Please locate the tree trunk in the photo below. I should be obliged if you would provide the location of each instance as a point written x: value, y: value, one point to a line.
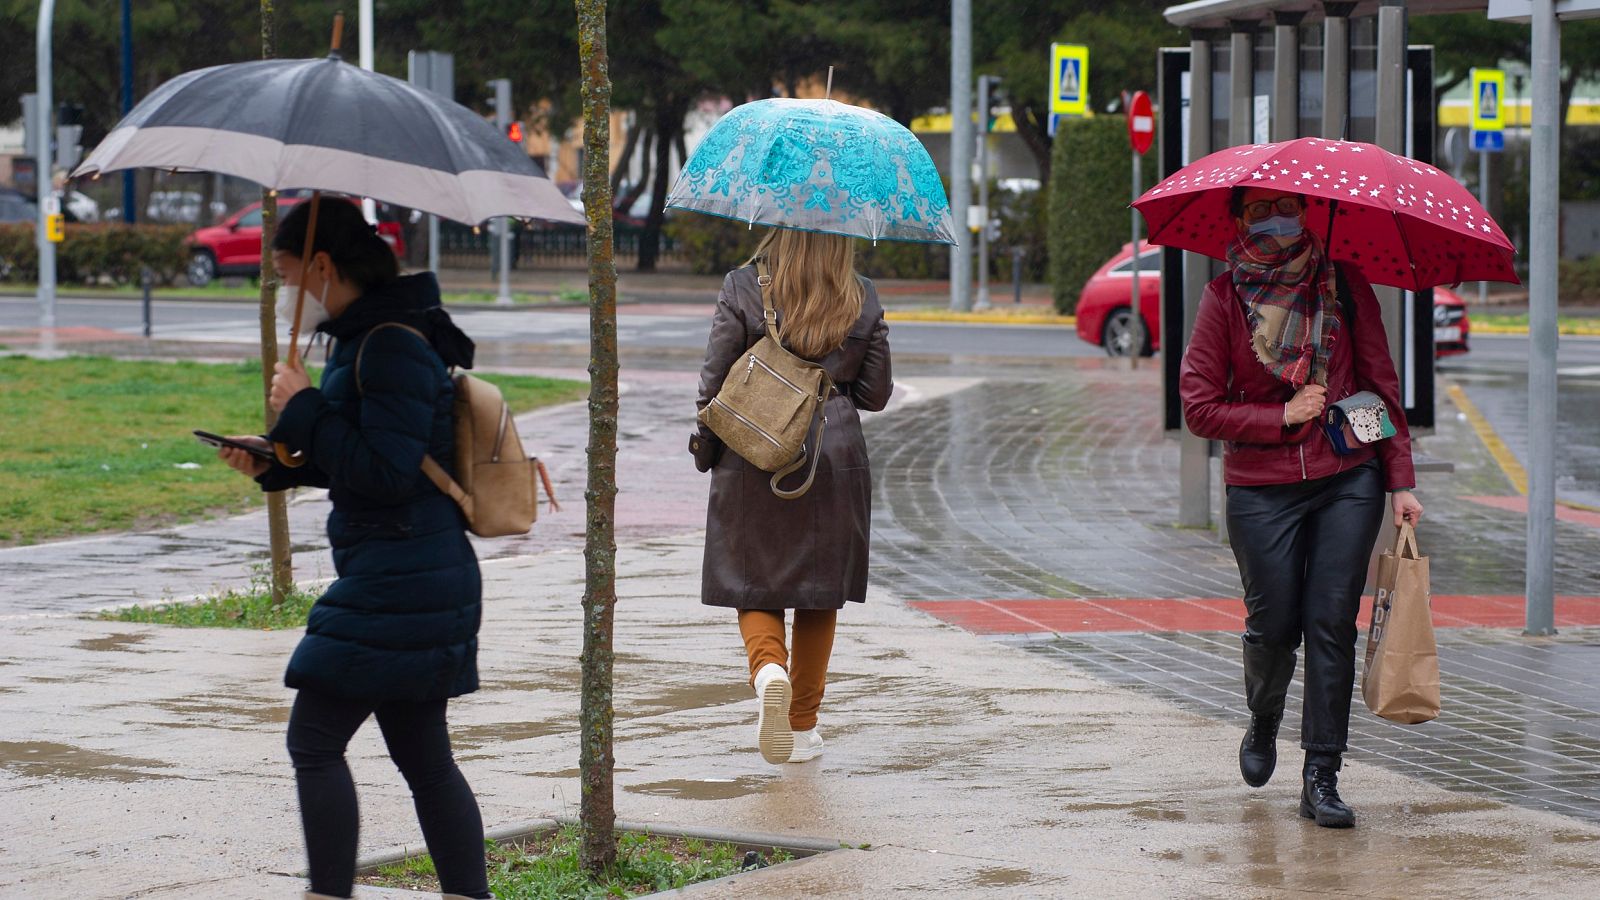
x: 626, y: 159
x: 282, y: 561
x: 669, y: 123
x: 597, y: 810
x: 1035, y: 134
x: 635, y: 191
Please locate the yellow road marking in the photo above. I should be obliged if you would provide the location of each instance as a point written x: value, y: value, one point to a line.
x: 1491, y: 440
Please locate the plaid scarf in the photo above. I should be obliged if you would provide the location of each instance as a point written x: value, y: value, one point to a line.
x: 1292, y: 309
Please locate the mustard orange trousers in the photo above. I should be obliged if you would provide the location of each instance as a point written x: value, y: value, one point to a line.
x: 806, y: 659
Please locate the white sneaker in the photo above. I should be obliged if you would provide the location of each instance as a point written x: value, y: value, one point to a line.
x: 772, y: 722
x: 807, y: 746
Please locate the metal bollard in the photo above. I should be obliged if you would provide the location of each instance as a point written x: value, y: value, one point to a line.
x: 144, y: 282
x: 1016, y: 274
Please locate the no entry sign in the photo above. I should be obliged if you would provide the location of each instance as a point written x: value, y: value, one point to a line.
x: 1141, y: 122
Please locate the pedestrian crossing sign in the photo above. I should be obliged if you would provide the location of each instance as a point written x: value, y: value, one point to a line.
x: 1069, y: 79
x: 1488, y: 100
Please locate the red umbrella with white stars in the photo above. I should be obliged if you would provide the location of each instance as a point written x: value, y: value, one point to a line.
x: 1404, y: 222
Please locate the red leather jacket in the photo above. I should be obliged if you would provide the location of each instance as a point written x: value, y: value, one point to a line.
x: 1229, y: 396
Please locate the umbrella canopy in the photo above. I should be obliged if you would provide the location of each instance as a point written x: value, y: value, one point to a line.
x: 817, y: 165
x: 1405, y: 223
x: 323, y: 124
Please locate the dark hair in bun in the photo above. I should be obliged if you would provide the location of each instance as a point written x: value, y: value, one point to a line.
x: 358, y: 253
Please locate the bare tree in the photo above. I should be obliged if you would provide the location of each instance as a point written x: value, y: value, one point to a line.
x: 597, y: 809
x: 277, y: 501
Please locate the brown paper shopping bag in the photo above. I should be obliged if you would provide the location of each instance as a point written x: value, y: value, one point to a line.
x: 1400, y: 681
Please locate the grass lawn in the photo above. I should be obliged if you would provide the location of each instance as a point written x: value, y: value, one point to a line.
x: 251, y: 607
x: 218, y: 290
x: 90, y: 444
x: 1517, y: 323
x: 547, y: 867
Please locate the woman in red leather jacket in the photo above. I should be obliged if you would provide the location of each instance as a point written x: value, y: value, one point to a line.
x: 1273, y: 344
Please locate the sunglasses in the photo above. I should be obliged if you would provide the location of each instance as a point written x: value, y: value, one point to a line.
x: 1288, y: 206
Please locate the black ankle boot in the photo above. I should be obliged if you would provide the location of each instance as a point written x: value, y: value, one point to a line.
x: 1258, y: 752
x: 1319, y: 798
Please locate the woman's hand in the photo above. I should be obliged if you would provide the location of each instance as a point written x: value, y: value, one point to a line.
x: 248, y: 463
x: 1406, y: 508
x: 287, y: 381
x: 1307, y: 404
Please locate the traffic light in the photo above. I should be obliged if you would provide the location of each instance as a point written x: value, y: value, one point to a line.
x: 69, y: 132
x: 514, y: 132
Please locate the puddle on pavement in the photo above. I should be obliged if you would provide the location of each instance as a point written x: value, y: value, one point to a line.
x: 677, y: 698
x: 472, y: 737
x: 1443, y: 807
x: 42, y: 759
x: 1575, y: 837
x: 998, y: 876
x: 124, y: 642
x: 217, y: 710
x: 706, y: 789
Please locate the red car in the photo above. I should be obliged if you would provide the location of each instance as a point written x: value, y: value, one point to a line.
x: 1104, y: 320
x: 233, y: 247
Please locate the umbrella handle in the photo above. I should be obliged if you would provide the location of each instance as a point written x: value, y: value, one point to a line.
x: 305, y: 268
x: 283, y: 453
x: 288, y: 457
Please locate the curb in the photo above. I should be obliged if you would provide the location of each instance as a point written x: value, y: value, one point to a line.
x: 1047, y: 319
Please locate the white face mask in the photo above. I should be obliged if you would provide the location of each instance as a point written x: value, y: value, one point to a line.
x: 312, y: 314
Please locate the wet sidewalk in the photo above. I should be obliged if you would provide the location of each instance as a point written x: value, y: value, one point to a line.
x: 1040, y: 698
x: 149, y: 761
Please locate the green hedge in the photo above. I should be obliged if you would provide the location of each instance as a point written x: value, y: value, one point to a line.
x: 1578, y: 281
x: 97, y: 254
x: 713, y: 245
x: 1090, y: 175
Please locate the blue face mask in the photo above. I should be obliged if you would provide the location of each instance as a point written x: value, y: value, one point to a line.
x: 1278, y: 226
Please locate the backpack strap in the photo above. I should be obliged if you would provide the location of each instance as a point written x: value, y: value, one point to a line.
x: 770, y: 315
x: 430, y: 466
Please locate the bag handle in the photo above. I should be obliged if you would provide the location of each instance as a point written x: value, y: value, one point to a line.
x: 1405, y: 542
x: 430, y: 466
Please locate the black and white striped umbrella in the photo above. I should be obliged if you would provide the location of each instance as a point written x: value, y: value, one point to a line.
x: 323, y: 124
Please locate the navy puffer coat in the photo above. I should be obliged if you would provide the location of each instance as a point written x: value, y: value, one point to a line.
x: 401, y: 621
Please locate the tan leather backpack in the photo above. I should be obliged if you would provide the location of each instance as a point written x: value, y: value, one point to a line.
x: 494, y: 481
x: 768, y: 403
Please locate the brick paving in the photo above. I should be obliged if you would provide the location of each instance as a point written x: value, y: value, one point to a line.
x: 1043, y: 506
x: 1520, y: 720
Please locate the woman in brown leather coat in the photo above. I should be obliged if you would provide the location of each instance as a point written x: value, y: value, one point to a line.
x: 764, y: 554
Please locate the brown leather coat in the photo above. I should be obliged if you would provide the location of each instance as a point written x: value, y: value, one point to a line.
x: 809, y: 553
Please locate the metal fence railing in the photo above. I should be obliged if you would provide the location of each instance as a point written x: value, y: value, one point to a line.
x: 462, y: 247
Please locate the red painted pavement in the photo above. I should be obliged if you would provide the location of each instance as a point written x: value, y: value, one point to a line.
x: 1067, y: 616
x: 1519, y: 504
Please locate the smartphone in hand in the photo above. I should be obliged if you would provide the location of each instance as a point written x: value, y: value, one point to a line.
x: 217, y: 440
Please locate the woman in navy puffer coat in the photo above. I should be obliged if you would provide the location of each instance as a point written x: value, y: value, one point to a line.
x: 396, y: 635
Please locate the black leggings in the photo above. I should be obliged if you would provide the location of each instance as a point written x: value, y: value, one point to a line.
x: 319, y: 728
x: 1303, y: 550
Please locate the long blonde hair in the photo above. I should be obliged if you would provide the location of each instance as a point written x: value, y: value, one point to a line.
x: 814, y: 286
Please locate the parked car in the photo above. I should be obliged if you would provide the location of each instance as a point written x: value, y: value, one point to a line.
x: 1104, y: 318
x: 180, y: 208
x: 233, y: 247
x: 16, y: 207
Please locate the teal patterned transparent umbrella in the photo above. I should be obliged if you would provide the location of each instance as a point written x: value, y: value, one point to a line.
x: 817, y: 165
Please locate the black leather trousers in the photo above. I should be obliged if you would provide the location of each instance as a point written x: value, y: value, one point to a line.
x: 1303, y: 550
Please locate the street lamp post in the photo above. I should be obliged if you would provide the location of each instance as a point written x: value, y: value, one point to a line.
x: 44, y: 167
x: 130, y: 197
x: 961, y: 151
